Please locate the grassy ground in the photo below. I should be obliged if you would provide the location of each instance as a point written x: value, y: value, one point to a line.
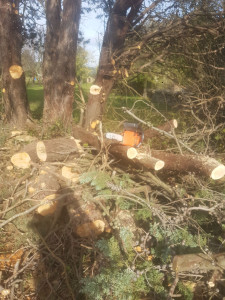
x: 35, y: 95
x: 114, y: 115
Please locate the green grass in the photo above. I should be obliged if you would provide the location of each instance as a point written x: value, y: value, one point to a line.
x: 114, y: 114
x: 35, y: 96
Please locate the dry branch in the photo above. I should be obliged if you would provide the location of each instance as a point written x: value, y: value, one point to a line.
x: 167, y: 127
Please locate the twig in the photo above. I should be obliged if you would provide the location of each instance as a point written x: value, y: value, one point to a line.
x: 173, y: 286
x: 61, y: 262
x: 25, y: 177
x: 157, y: 129
x: 32, y: 209
x: 15, y: 273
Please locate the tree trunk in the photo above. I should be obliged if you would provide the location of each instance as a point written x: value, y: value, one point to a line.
x: 119, y: 23
x: 13, y: 78
x: 198, y: 164
x: 59, y: 60
x: 59, y: 149
x: 136, y: 157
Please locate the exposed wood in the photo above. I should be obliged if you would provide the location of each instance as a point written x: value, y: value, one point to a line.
x: 198, y: 262
x: 132, y: 153
x: 50, y: 208
x: 198, y: 164
x: 86, y: 219
x: 167, y: 127
x: 21, y: 160
x: 69, y: 175
x: 13, y: 80
x: 58, y: 149
x: 16, y: 71
x: 140, y: 159
x: 45, y: 187
x: 119, y: 23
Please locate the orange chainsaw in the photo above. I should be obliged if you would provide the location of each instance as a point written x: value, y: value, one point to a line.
x: 132, y: 135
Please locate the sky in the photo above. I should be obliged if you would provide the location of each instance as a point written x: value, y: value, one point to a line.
x: 93, y: 30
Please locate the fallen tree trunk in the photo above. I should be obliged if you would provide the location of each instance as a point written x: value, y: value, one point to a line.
x: 53, y: 150
x: 198, y: 262
x: 141, y: 159
x: 167, y: 127
x: 198, y: 164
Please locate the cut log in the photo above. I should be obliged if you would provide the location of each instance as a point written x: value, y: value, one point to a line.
x: 203, y: 165
x: 21, y: 160
x: 181, y: 163
x: 54, y: 150
x: 86, y: 137
x: 58, y: 149
x: 168, y: 127
x: 45, y: 187
x: 137, y: 157
x: 49, y: 208
x: 86, y: 219
x: 132, y: 153
x: 69, y: 175
x: 198, y: 262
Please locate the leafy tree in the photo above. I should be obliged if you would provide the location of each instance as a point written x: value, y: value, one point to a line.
x: 29, y: 63
x: 82, y: 71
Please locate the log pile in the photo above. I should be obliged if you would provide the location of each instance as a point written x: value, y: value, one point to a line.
x: 155, y: 159
x: 59, y: 149
x: 86, y: 218
x: 63, y: 149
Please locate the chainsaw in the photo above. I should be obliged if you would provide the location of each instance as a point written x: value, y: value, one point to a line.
x: 132, y: 135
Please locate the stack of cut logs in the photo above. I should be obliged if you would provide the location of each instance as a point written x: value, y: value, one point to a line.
x: 48, y: 189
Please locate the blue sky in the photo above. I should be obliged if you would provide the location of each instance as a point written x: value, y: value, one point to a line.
x: 93, y: 30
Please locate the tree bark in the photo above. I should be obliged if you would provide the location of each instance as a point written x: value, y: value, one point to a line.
x: 119, y: 24
x: 198, y: 262
x: 59, y: 60
x: 138, y: 158
x: 59, y: 149
x: 13, y: 78
x: 198, y: 164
